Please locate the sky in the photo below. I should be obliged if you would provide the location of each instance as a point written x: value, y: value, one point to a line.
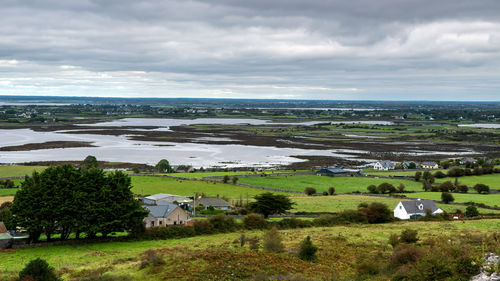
x: 279, y: 49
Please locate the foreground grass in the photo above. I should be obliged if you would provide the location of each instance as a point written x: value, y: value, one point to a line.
x: 216, y: 257
x: 341, y: 184
x: 339, y: 203
x: 152, y: 185
x: 19, y: 171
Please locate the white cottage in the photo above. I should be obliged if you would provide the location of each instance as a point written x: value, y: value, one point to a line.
x: 384, y: 165
x: 413, y: 209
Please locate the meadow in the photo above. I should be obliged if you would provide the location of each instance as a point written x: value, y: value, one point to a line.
x: 200, y: 175
x: 487, y: 199
x: 18, y: 170
x: 338, y: 203
x: 147, y: 185
x: 322, y: 183
x: 218, y: 257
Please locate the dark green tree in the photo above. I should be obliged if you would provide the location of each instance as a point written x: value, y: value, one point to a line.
x: 331, y: 190
x: 482, y: 188
x: 447, y: 197
x: 39, y: 270
x: 269, y: 204
x: 418, y: 176
x: 307, y: 251
x: 89, y: 162
x: 163, y: 166
x: 471, y: 211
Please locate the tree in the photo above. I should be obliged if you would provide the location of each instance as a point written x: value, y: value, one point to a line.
x: 428, y: 177
x: 439, y: 175
x: 418, y: 176
x: 401, y: 188
x: 386, y: 188
x: 408, y: 236
x: 447, y: 197
x: 225, y: 179
x: 377, y: 213
x: 38, y: 269
x: 269, y: 204
x: 412, y: 165
x: 163, y: 166
x: 89, y: 162
x: 234, y: 180
x: 482, y: 188
x: 307, y: 250
x: 372, y: 189
x: 471, y: 211
x: 446, y: 186
x: 462, y: 189
x: 310, y: 191
x: 331, y: 190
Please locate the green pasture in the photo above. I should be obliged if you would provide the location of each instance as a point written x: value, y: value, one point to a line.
x: 200, y: 175
x: 322, y: 183
x: 487, y: 199
x: 339, y: 203
x: 152, y: 185
x: 491, y: 180
x: 123, y: 258
x: 8, y: 191
x: 18, y: 170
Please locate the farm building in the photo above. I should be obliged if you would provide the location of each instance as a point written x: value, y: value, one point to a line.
x: 163, y: 198
x: 163, y: 215
x: 384, y: 165
x: 415, y: 209
x: 331, y: 172
x: 215, y: 202
x: 429, y: 165
x: 466, y: 160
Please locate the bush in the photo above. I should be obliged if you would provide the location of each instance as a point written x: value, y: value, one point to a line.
x: 151, y: 257
x: 482, y: 188
x: 462, y: 189
x: 222, y: 223
x: 367, y: 266
x: 38, y: 269
x: 254, y: 221
x: 310, y: 191
x: 446, y: 186
x: 456, y: 172
x: 418, y: 176
x: 405, y: 254
x: 225, y: 179
x: 386, y: 188
x: 377, y: 213
x: 408, y: 236
x: 447, y: 197
x: 471, y: 211
x: 439, y: 175
x: 393, y: 240
x: 307, y: 251
x: 401, y: 188
x: 203, y: 227
x: 372, y: 189
x: 272, y: 241
x: 331, y: 190
x: 287, y: 223
x: 234, y: 180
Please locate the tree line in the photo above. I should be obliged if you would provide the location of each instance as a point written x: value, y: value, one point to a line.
x: 64, y: 200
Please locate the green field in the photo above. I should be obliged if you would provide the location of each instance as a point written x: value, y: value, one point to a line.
x: 8, y: 191
x: 491, y: 180
x: 210, y: 255
x: 341, y: 184
x: 488, y: 199
x: 19, y: 171
x: 399, y: 173
x: 200, y: 175
x: 146, y: 185
x: 339, y: 203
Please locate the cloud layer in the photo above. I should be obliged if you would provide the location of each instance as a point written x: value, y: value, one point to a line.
x: 314, y: 49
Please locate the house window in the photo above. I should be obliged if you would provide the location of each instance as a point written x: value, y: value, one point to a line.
x: 400, y: 207
x: 161, y: 222
x: 420, y: 207
x: 152, y: 223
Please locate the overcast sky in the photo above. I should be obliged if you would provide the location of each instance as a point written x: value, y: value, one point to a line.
x: 290, y: 49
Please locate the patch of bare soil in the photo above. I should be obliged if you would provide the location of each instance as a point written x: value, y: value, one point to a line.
x: 47, y: 145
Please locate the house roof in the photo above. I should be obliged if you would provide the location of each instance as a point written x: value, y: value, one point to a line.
x: 387, y: 164
x: 468, y: 159
x: 161, y: 211
x: 419, y: 206
x: 333, y: 171
x: 158, y: 196
x: 212, y: 201
x: 3, y: 229
x: 162, y: 198
x: 429, y: 163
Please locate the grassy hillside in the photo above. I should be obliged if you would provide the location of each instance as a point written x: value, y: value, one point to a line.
x: 341, y: 184
x: 217, y: 257
x: 19, y: 171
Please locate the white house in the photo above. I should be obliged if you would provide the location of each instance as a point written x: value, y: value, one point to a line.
x: 384, y: 165
x: 414, y: 209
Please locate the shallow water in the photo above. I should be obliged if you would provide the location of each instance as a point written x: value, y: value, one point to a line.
x: 482, y: 125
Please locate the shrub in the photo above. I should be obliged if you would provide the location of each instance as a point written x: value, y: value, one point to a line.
x: 471, y: 211
x: 404, y: 254
x: 331, y: 190
x: 234, y: 180
x: 307, y: 251
x: 408, y: 236
x: 225, y: 179
x: 253, y: 243
x: 325, y: 193
x: 447, y: 197
x: 462, y: 189
x: 456, y: 172
x: 272, y: 241
x: 203, y: 227
x: 393, y: 240
x: 439, y: 175
x: 482, y: 188
x: 222, y: 223
x: 38, y: 269
x: 418, y: 176
x: 401, y: 188
x: 367, y: 266
x: 310, y: 191
x: 372, y: 189
x: 446, y: 186
x: 294, y: 223
x: 377, y: 213
x: 386, y: 188
x: 254, y: 221
x: 152, y: 258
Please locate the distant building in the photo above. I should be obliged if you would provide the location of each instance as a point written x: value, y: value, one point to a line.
x: 414, y: 209
x: 466, y: 160
x: 163, y: 215
x: 408, y: 164
x: 184, y: 169
x: 384, y: 165
x: 215, y: 202
x: 331, y: 172
x: 163, y: 198
x: 429, y: 165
